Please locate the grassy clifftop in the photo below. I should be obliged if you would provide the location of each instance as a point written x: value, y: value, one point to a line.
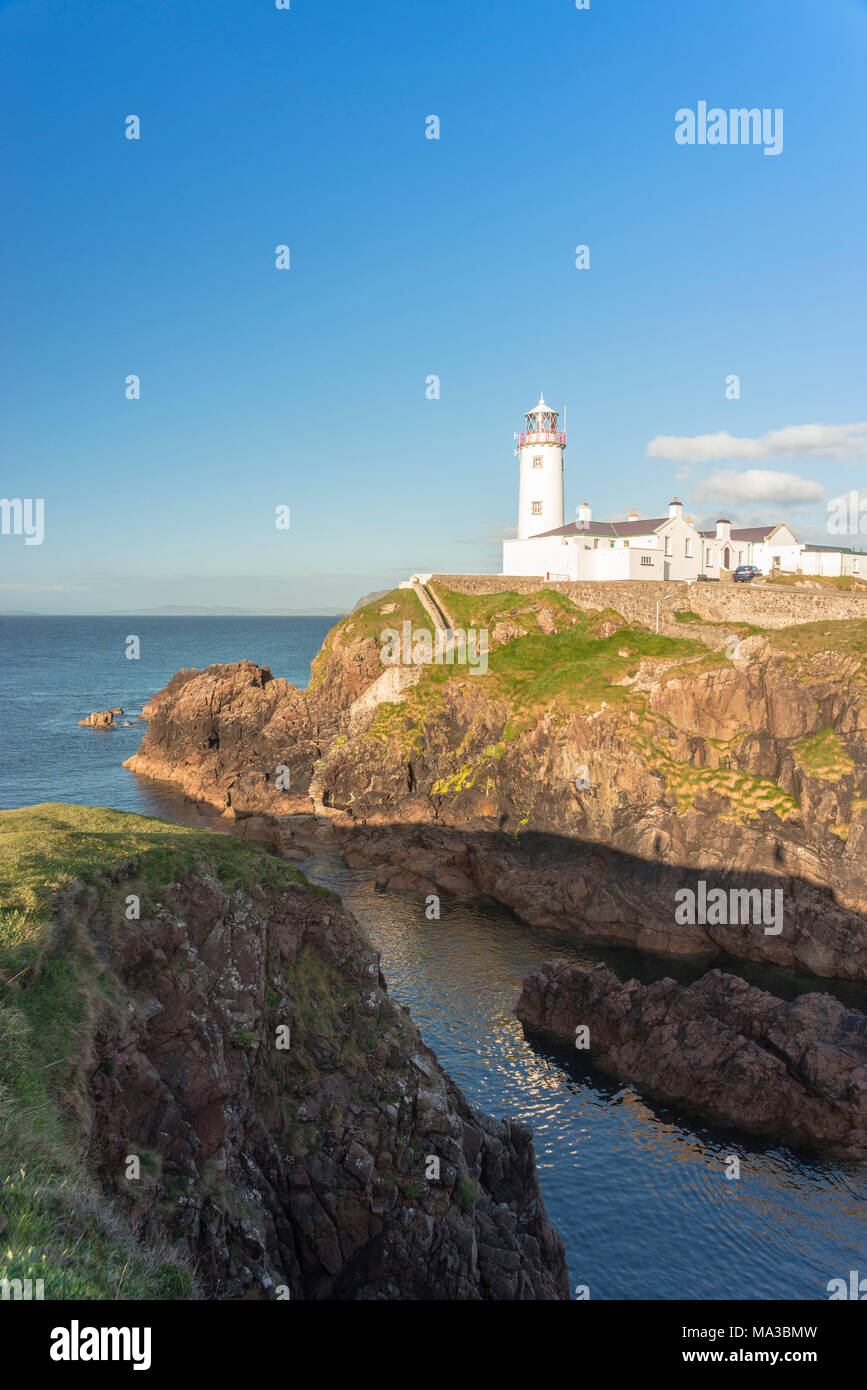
x: 205, y: 1090
x: 55, y: 1224
x: 550, y: 660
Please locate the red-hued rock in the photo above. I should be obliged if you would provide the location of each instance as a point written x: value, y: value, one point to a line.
x: 718, y: 1048
x: 302, y: 1166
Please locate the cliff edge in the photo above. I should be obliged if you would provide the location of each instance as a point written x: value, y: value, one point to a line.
x: 206, y: 1091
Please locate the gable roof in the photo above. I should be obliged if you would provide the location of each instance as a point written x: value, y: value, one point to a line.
x: 613, y: 529
x: 745, y: 533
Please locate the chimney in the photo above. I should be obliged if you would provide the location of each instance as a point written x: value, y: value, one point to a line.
x: 675, y: 508
x: 723, y: 530
x: 584, y: 515
x: 633, y: 515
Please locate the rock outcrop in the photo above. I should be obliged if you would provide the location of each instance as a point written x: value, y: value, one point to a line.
x: 233, y: 736
x: 719, y: 1048
x: 99, y: 719
x: 294, y: 1135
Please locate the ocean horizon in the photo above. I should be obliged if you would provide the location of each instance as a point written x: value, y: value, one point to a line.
x: 58, y: 670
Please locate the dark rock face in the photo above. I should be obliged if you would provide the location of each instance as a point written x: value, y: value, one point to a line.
x: 719, y: 1048
x: 233, y: 736
x: 332, y: 1160
x: 560, y: 882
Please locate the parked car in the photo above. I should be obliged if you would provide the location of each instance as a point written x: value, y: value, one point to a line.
x: 745, y: 574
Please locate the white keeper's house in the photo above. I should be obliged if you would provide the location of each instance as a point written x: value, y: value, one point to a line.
x: 662, y: 547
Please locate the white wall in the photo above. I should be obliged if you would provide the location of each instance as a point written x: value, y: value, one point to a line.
x: 620, y: 563
x: 783, y: 545
x: 832, y: 562
x: 576, y: 558
x: 740, y: 553
x: 543, y: 485
x: 820, y: 562
x: 679, y: 565
x: 540, y: 556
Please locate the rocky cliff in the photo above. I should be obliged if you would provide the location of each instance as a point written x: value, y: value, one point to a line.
x: 594, y: 771
x: 234, y: 1106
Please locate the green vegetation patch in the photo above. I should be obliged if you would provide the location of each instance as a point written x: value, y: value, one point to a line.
x: 369, y: 622
x: 843, y: 583
x: 749, y: 796
x: 485, y: 610
x: 846, y: 637
x: 43, y: 848
x: 575, y: 669
x: 823, y: 755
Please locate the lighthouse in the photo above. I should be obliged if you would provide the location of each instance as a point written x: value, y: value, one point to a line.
x: 540, y: 452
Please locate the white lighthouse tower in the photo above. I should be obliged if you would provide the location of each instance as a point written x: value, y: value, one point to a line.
x: 540, y: 451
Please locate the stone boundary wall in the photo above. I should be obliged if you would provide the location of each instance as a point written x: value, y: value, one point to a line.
x: 769, y: 606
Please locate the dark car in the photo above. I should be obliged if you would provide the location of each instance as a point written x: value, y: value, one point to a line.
x: 745, y: 573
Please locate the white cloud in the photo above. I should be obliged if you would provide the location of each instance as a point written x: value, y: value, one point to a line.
x: 845, y: 443
x: 757, y: 485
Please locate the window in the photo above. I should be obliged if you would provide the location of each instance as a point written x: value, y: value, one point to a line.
x: 775, y: 561
x: 855, y: 564
x: 740, y: 557
x: 536, y: 508
x: 668, y: 545
x: 687, y: 548
x: 626, y: 545
x: 596, y: 543
x: 537, y: 460
x: 710, y: 560
x: 647, y: 559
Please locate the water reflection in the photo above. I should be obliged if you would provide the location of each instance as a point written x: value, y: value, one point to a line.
x: 638, y: 1192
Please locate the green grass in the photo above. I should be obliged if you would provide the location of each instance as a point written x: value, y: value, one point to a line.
x: 843, y: 583
x: 484, y: 610
x: 571, y: 670
x: 368, y: 623
x: 43, y: 848
x: 467, y: 1191
x: 575, y: 669
x: 55, y: 1224
x: 823, y: 755
x: 846, y: 637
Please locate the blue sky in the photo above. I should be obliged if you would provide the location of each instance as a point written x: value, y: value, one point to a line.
x: 411, y: 257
